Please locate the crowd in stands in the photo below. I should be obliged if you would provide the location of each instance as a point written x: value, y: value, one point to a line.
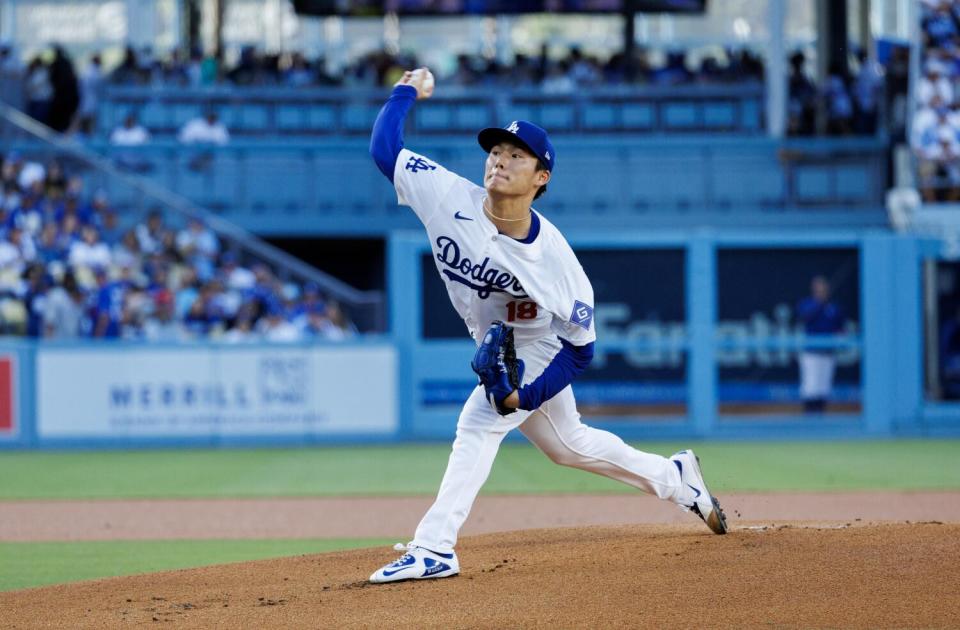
x: 70, y: 268
x: 935, y: 129
x: 850, y: 101
x: 847, y: 102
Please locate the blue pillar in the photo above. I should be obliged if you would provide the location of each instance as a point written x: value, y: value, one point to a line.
x: 908, y: 332
x: 701, y: 277
x: 878, y: 303
x: 404, y: 291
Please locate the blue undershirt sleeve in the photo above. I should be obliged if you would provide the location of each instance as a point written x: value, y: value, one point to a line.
x: 569, y: 363
x: 386, y: 141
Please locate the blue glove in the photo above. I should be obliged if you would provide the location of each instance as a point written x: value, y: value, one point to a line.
x: 497, y: 365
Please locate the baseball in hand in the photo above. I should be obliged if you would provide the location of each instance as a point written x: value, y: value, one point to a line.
x: 422, y: 79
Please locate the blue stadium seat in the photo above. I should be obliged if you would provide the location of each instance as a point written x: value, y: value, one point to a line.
x: 276, y: 182
x: 667, y: 180
x: 434, y: 116
x: 813, y: 183
x: 719, y: 115
x: 291, y: 118
x: 153, y: 116
x: 472, y: 116
x: 852, y: 182
x: 599, y: 116
x: 583, y: 183
x: 322, y: 117
x: 359, y: 117
x: 679, y: 115
x: 638, y: 115
x: 254, y: 117
x: 183, y: 112
x: 558, y: 116
x: 739, y: 180
x: 751, y: 118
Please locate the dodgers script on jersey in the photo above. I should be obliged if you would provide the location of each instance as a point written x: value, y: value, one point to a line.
x: 538, y: 288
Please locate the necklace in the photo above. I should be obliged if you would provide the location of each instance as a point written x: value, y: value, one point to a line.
x: 484, y: 202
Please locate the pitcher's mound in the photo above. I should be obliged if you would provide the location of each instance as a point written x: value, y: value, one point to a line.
x: 797, y: 575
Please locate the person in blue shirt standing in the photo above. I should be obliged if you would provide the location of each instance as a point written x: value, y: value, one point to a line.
x: 820, y: 316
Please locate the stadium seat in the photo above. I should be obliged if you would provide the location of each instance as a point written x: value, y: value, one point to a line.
x: 678, y: 115
x: 638, y: 116
x: 739, y: 180
x: 719, y: 115
x: 434, y: 116
x: 599, y: 116
x: 812, y: 183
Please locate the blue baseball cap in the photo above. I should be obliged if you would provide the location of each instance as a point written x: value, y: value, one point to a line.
x: 524, y: 133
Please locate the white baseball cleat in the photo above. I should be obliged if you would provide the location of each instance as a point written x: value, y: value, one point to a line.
x: 697, y: 497
x: 417, y: 564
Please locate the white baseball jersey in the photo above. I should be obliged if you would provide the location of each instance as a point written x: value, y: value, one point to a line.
x: 538, y: 288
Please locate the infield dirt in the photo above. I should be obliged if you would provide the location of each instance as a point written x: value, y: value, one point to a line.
x: 784, y: 576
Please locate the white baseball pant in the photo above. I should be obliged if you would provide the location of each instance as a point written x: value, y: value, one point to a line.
x: 816, y: 375
x: 555, y: 428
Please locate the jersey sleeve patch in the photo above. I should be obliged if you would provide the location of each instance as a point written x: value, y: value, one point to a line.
x: 582, y: 315
x: 416, y: 163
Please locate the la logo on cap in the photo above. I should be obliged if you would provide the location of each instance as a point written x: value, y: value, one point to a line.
x: 513, y: 127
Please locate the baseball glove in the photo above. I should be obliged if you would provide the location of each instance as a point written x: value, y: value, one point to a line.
x: 497, y: 365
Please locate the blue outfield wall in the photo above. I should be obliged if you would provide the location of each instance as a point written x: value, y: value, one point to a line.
x: 696, y: 340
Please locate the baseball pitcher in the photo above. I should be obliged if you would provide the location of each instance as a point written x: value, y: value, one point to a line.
x: 528, y: 304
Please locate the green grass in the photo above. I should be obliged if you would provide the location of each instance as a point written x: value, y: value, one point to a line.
x: 416, y: 470
x: 25, y: 565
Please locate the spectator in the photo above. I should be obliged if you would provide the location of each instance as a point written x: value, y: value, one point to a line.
x: 820, y: 317
x: 939, y: 25
x: 90, y: 251
x: 64, y: 310
x: 839, y: 104
x: 127, y: 251
x: 34, y: 298
x: 55, y: 181
x: 199, y: 245
x: 128, y: 72
x: 48, y: 247
x: 558, y: 80
x: 204, y: 130
x: 66, y: 91
x: 241, y: 332
x: 867, y: 91
x: 935, y: 145
x: 130, y: 134
x: 934, y: 83
x: 16, y: 252
x: 236, y: 277
x: 299, y: 73
x: 150, y: 234
x: 91, y: 80
x: 109, y: 306
x: 274, y: 326
x: 802, y: 99
x: 38, y: 90
x: 110, y: 229
x: 161, y: 324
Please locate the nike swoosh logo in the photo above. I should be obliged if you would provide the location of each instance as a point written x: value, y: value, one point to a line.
x: 695, y: 490
x: 461, y: 217
x: 389, y: 573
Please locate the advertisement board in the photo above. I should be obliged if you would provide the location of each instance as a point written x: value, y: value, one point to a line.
x: 210, y: 391
x: 8, y: 396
